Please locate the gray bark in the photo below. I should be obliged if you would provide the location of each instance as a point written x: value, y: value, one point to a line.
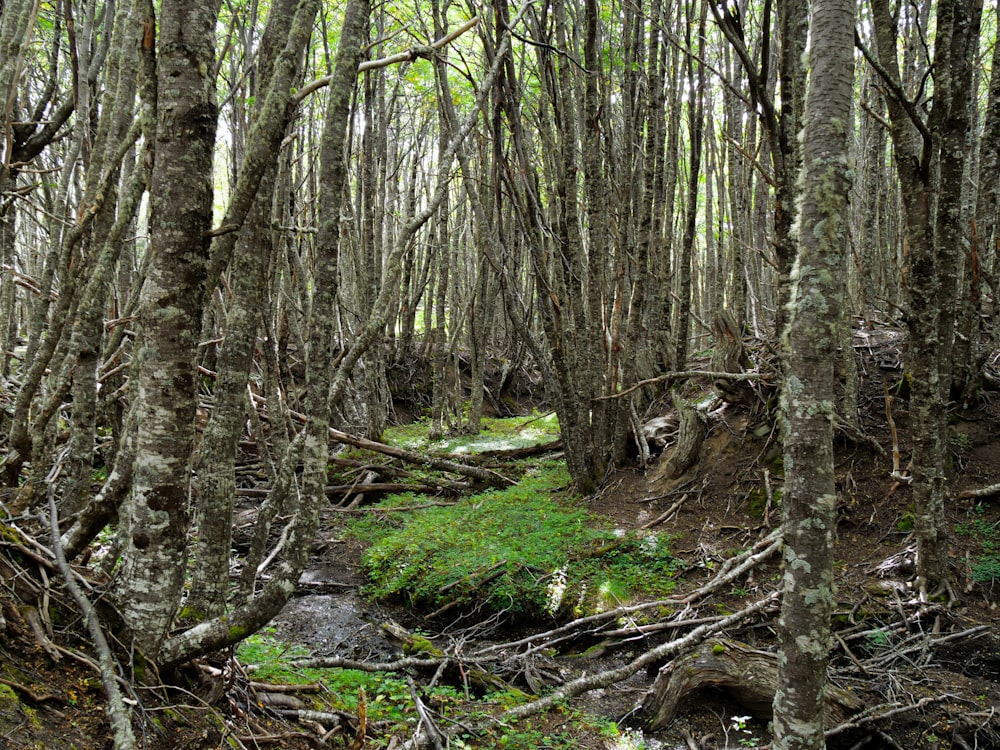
x: 156, y: 517
x: 287, y: 33
x: 808, y: 398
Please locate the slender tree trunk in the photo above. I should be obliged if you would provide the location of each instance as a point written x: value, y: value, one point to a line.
x: 152, y: 570
x: 696, y: 129
x: 290, y: 27
x: 809, y: 505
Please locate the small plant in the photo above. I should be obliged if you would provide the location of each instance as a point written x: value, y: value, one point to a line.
x: 877, y: 639
x: 741, y: 724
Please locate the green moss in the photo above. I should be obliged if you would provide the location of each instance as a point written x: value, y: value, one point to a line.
x: 529, y: 550
x: 496, y: 434
x: 190, y: 615
x: 420, y: 646
x: 237, y: 633
x: 906, y: 522
x: 986, y: 534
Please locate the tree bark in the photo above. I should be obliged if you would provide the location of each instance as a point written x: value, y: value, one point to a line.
x: 152, y: 568
x: 813, y: 334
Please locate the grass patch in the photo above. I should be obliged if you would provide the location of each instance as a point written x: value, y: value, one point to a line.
x: 529, y: 550
x: 388, y: 702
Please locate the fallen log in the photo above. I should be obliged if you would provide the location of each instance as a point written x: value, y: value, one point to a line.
x: 486, y: 476
x: 748, y: 675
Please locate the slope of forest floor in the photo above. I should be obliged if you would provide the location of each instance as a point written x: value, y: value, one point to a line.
x: 927, y: 675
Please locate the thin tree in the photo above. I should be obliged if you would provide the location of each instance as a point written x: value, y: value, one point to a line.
x: 809, y: 505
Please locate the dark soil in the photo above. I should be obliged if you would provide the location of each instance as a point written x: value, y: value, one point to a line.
x: 949, y: 694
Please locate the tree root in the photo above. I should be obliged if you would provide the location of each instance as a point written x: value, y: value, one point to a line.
x: 749, y: 675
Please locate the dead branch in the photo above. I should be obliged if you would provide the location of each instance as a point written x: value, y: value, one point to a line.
x: 732, y: 569
x: 400, y: 57
x: 117, y: 710
x: 666, y: 515
x: 687, y: 374
x: 427, y: 726
x: 874, y: 714
x: 336, y: 662
x: 896, y: 474
x: 993, y: 489
x: 392, y: 509
x: 38, y: 630
x: 312, y: 687
x: 609, y: 677
x: 490, y: 478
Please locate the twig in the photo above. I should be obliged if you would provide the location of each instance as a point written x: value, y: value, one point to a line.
x: 430, y: 729
x: 33, y: 619
x: 665, y: 516
x: 733, y: 568
x: 896, y: 474
x: 313, y: 687
x: 686, y: 374
x: 871, y: 718
x: 609, y: 677
x: 406, y: 56
x: 336, y: 662
x: 117, y: 710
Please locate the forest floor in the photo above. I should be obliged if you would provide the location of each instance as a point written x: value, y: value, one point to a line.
x: 927, y: 674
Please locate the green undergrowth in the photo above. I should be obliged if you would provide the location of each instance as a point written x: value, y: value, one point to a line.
x: 985, y: 533
x: 389, y: 704
x: 497, y: 434
x: 529, y: 550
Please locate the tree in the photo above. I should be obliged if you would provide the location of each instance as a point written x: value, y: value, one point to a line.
x: 155, y: 517
x: 929, y: 154
x: 809, y: 503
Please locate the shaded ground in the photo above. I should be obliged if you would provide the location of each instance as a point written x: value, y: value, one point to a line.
x: 947, y: 695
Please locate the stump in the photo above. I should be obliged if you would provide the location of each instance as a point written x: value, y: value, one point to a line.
x: 730, y: 356
x: 690, y: 435
x: 749, y: 676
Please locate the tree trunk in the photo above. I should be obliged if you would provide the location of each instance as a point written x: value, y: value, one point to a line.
x: 809, y: 505
x: 303, y: 507
x: 289, y: 27
x: 152, y: 569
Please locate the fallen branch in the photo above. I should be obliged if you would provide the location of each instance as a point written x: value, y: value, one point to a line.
x: 117, y: 710
x: 336, y: 662
x: 873, y: 715
x: 491, y: 478
x: 993, y: 489
x: 611, y: 676
x: 687, y: 374
x: 733, y: 568
x: 666, y: 515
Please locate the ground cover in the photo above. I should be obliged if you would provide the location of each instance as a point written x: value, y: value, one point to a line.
x: 581, y: 675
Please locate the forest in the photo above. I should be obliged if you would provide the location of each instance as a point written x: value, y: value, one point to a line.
x: 629, y: 365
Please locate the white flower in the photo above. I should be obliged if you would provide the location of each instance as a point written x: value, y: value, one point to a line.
x: 556, y: 590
